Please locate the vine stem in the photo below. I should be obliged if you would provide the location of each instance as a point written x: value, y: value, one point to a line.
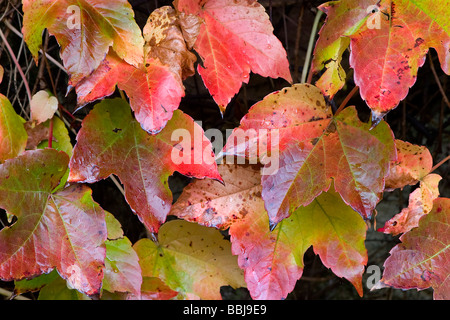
x: 13, y: 57
x: 11, y: 295
x: 440, y: 163
x: 436, y: 77
x: 312, y: 37
x: 346, y: 100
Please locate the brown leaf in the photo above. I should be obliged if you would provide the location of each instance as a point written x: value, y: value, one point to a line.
x: 164, y: 43
x: 190, y: 27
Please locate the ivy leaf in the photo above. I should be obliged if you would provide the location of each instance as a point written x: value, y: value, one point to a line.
x: 412, y: 164
x: 314, y: 147
x: 63, y: 230
x: 13, y: 137
x: 85, y: 30
x: 122, y: 270
x: 112, y: 142
x: 165, y: 43
x: 154, y: 92
x: 236, y: 37
x: 420, y: 204
x: 389, y: 41
x: 218, y: 205
x: 421, y: 259
x: 273, y: 261
x: 190, y: 259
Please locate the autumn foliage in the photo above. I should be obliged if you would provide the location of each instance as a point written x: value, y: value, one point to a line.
x: 297, y: 173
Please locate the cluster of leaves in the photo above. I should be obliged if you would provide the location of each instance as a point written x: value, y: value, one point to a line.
x: 332, y: 168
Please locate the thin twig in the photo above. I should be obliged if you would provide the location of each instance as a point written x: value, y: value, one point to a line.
x: 346, y: 100
x: 440, y: 163
x: 11, y: 295
x: 117, y: 183
x: 49, y: 57
x: 297, y: 44
x: 312, y: 37
x: 13, y: 56
x: 436, y: 77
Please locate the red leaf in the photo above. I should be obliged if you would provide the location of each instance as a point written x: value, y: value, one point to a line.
x: 112, y: 142
x: 235, y: 38
x: 273, y: 260
x: 154, y: 92
x: 421, y: 259
x: 314, y: 148
x: 63, y: 230
x: 85, y: 30
x: 389, y: 41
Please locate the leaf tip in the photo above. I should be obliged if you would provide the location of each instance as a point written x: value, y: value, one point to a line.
x: 376, y: 118
x: 272, y: 225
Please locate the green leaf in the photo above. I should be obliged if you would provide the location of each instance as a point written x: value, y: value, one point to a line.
x: 314, y: 148
x: 13, y: 137
x: 190, y: 259
x: 122, y: 270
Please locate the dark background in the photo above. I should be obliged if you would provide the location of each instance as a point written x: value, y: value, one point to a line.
x: 422, y: 118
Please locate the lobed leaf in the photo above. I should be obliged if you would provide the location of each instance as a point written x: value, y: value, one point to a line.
x: 190, y: 259
x: 236, y: 37
x: 273, y: 261
x: 421, y: 259
x: 314, y: 147
x: 63, y: 230
x: 388, y: 42
x: 112, y: 142
x: 85, y: 30
x: 155, y: 90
